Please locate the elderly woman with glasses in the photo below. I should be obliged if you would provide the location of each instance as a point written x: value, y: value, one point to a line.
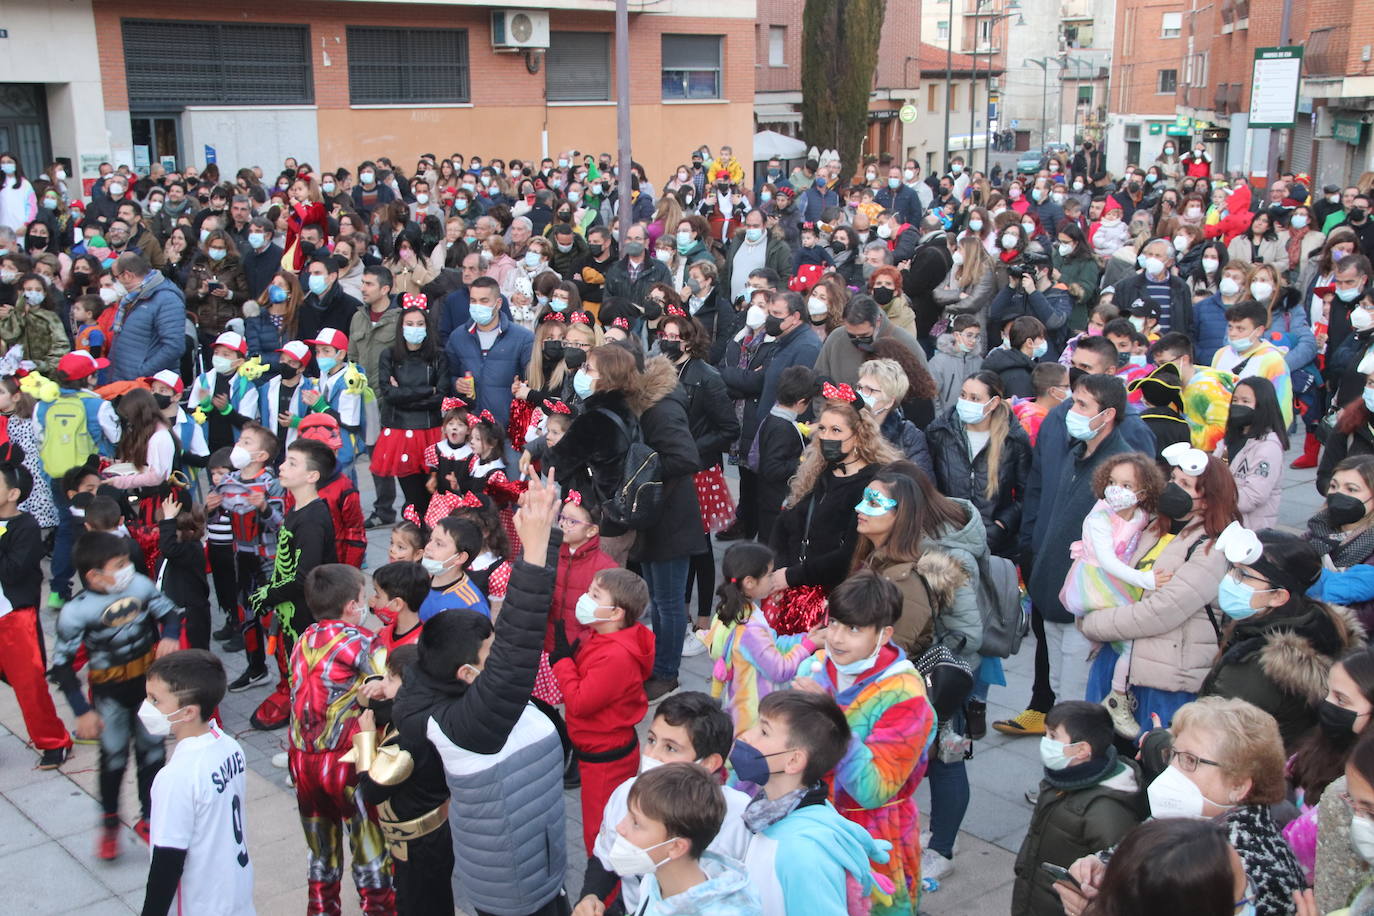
x: 1222, y: 759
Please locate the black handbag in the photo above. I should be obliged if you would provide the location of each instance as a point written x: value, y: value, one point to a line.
x: 949, y: 680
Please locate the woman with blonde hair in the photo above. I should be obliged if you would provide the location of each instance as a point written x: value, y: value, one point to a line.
x: 815, y: 536
x: 883, y: 385
x: 972, y: 283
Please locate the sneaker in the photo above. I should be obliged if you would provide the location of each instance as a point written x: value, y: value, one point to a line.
x: 55, y: 601
x: 79, y: 740
x: 247, y: 679
x: 976, y: 719
x: 735, y: 532
x: 1028, y: 722
x: 658, y: 688
x: 107, y: 845
x: 376, y: 521
x: 1122, y: 706
x: 935, y: 866
x: 692, y: 645
x: 54, y: 757
x: 228, y: 631
x: 143, y: 829
x: 234, y: 643
x: 1033, y: 797
x: 281, y: 761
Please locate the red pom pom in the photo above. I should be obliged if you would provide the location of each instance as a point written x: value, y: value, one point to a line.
x: 520, y: 413
x: 796, y: 610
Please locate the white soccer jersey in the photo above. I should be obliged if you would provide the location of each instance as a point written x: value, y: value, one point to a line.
x: 198, y: 806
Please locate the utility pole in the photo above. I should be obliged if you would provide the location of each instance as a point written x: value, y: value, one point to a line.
x: 622, y: 112
x: 949, y: 77
x: 1271, y: 165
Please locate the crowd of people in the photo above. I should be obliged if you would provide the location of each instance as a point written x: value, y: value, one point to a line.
x: 929, y: 415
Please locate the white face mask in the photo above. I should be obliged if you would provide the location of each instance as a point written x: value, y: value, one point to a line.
x: 586, y: 609
x: 108, y: 295
x: 123, y: 578
x: 1298, y: 221
x: 1210, y: 265
x: 240, y: 457
x: 816, y: 307
x: 1009, y: 240
x: 628, y: 859
x: 1154, y: 266
x: 1228, y: 286
x: 1182, y: 242
x: 222, y: 364
x: 755, y: 316
x: 1119, y: 498
x: 1065, y: 249
x: 1261, y: 290
x: 957, y: 258
x: 1362, y: 837
x: 155, y: 721
x: 432, y: 566
x: 1173, y: 794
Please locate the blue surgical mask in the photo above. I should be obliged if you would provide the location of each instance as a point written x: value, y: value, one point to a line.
x: 326, y: 363
x: 970, y: 412
x: 318, y: 284
x: 1136, y: 359
x: 1040, y: 349
x: 753, y: 235
x: 558, y: 305
x: 1234, y: 598
x: 532, y: 259
x: 217, y: 254
x: 414, y: 335
x: 859, y: 666
x: 1369, y: 399
x: 276, y: 295
x: 1052, y: 754
x: 482, y: 314
x: 1079, y: 426
x: 583, y: 384
x: 256, y: 239
x: 1240, y: 344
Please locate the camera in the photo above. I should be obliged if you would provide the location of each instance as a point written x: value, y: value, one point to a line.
x: 1026, y: 265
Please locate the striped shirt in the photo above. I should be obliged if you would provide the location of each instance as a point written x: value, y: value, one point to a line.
x: 462, y: 593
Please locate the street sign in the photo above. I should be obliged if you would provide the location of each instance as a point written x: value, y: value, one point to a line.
x: 209, y: 154
x: 907, y: 113
x: 1274, y: 82
x: 1346, y: 129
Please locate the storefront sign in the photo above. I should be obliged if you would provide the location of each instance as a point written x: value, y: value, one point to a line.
x: 907, y: 114
x: 1347, y: 130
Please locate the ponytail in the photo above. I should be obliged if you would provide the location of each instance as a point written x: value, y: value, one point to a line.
x: 747, y: 559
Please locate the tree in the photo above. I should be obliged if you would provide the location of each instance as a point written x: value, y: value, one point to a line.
x: 839, y: 55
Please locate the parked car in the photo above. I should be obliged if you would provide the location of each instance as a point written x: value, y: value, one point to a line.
x: 1033, y: 160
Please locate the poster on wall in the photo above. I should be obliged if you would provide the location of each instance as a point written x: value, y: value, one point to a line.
x: 1275, y: 80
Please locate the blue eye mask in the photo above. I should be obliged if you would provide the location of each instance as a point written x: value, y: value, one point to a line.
x: 875, y: 503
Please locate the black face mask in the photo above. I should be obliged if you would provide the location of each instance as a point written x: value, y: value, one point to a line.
x: 81, y: 278
x: 287, y: 372
x: 652, y: 309
x: 832, y: 450
x: 36, y: 242
x: 1241, y: 416
x: 573, y: 358
x: 596, y: 250
x: 1336, y: 722
x: 1175, y: 503
x: 307, y: 248
x: 1344, y: 509
x: 772, y: 326
x: 882, y: 295
x: 381, y: 712
x: 1075, y: 374
x: 1122, y: 359
x: 553, y: 349
x: 1357, y: 215
x: 670, y: 348
x: 863, y: 342
x: 163, y: 401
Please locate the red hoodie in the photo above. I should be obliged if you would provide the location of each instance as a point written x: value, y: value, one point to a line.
x: 603, y: 687
x: 1238, y: 216
x: 575, y: 574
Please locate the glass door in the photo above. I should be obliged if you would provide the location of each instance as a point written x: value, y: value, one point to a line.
x: 156, y: 139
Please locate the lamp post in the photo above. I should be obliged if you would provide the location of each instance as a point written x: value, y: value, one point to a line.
x: 1013, y: 10
x: 1044, y: 64
x: 1077, y: 62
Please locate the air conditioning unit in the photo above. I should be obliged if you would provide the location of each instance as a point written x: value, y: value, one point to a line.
x: 519, y: 30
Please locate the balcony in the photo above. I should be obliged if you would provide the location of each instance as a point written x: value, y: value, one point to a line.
x: 1194, y: 97
x: 1327, y: 52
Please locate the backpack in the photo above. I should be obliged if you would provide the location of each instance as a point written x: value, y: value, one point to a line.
x: 67, y: 439
x: 1005, y: 621
x: 637, y: 501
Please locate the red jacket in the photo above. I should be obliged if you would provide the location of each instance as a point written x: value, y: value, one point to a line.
x: 1238, y: 216
x: 1196, y: 166
x: 603, y: 687
x: 575, y: 574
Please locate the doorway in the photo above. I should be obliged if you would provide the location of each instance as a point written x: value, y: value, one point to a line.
x: 24, y: 125
x: 156, y: 137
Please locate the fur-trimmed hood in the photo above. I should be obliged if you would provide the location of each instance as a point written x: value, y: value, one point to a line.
x: 657, y: 381
x: 1298, y: 661
x: 943, y: 575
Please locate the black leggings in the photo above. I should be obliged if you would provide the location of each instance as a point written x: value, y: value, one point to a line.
x: 224, y: 570
x: 702, y: 571
x: 416, y: 493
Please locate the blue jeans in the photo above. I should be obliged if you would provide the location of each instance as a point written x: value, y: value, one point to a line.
x: 667, y: 581
x: 1163, y: 703
x: 62, y: 569
x: 949, y: 795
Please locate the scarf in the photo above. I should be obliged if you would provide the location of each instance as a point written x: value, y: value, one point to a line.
x: 1083, y: 775
x: 1344, y: 551
x: 763, y: 812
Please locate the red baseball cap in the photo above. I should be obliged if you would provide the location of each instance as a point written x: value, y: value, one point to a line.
x: 331, y: 337
x: 168, y: 378
x: 78, y: 364
x: 233, y: 341
x: 297, y: 350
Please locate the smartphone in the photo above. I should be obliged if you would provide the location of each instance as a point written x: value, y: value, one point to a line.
x: 1060, y: 873
x: 213, y: 283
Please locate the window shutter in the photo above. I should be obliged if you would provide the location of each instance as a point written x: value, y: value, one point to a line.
x: 389, y: 66
x: 578, y: 67
x: 174, y: 64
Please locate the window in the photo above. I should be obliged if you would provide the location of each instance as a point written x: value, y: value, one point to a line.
x: 691, y: 66
x: 777, y: 46
x: 933, y: 96
x: 1168, y: 82
x: 404, y: 66
x: 954, y: 97
x: 985, y: 33
x: 171, y: 64
x: 942, y: 30
x: 1171, y: 26
x: 1085, y: 95
x: 577, y: 67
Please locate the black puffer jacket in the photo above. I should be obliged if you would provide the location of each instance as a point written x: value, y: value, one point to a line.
x: 745, y: 383
x: 1014, y: 369
x: 831, y: 535
x: 591, y: 456
x: 710, y: 414
x: 962, y: 477
x: 413, y: 399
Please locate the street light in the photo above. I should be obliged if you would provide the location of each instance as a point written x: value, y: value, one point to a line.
x: 1044, y: 64
x: 992, y: 18
x: 949, y: 73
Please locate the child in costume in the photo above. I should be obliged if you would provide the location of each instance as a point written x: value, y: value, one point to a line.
x: 750, y: 659
x: 342, y: 388
x: 279, y: 396
x: 884, y: 699
x: 329, y: 664
x: 1127, y: 488
x: 223, y: 399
